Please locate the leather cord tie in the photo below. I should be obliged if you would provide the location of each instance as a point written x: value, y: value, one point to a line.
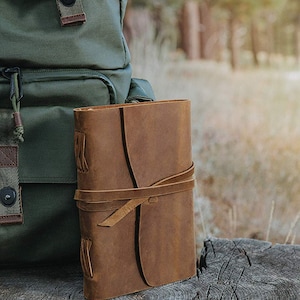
x: 136, y: 196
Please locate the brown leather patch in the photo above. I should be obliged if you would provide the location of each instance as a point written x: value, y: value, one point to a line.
x: 11, y: 219
x: 8, y: 156
x: 73, y: 20
x: 71, y: 15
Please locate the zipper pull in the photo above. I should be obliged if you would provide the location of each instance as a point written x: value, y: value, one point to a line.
x: 16, y: 94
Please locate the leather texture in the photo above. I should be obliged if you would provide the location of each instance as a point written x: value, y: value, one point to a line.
x: 135, y: 196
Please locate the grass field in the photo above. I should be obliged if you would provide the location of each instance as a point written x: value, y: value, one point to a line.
x: 246, y: 143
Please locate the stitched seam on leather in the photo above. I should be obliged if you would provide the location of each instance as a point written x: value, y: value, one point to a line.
x: 73, y: 19
x: 10, y: 216
x: 11, y: 219
x: 8, y: 156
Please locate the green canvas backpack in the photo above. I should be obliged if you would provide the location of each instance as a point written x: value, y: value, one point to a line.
x: 54, y: 56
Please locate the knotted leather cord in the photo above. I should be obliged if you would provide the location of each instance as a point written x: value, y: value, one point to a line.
x: 79, y: 147
x: 15, y: 100
x: 85, y: 247
x: 136, y: 196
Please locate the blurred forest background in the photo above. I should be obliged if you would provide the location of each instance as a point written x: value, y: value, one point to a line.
x: 267, y: 30
x: 238, y: 61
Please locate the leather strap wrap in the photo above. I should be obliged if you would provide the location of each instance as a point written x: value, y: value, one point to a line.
x: 71, y: 15
x: 134, y: 193
x: 174, y: 184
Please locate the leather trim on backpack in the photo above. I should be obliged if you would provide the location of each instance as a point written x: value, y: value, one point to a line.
x: 71, y: 15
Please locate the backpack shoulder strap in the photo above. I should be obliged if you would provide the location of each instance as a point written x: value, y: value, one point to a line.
x: 71, y: 12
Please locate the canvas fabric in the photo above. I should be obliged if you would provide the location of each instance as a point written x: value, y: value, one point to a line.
x: 48, y: 68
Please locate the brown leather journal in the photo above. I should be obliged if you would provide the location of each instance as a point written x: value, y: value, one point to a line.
x: 135, y: 196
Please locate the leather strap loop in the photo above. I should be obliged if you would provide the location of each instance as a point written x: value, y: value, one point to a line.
x: 11, y: 211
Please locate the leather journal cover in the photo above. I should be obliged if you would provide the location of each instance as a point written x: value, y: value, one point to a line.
x: 135, y: 196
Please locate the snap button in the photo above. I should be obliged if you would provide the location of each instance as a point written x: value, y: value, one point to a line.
x: 68, y: 2
x: 8, y: 196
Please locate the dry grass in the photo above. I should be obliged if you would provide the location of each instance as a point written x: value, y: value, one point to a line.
x: 246, y: 143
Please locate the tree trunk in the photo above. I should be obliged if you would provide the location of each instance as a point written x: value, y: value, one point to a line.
x: 190, y: 25
x: 270, y: 39
x: 227, y: 269
x: 297, y: 40
x: 232, y: 42
x: 254, y: 42
x: 205, y: 30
